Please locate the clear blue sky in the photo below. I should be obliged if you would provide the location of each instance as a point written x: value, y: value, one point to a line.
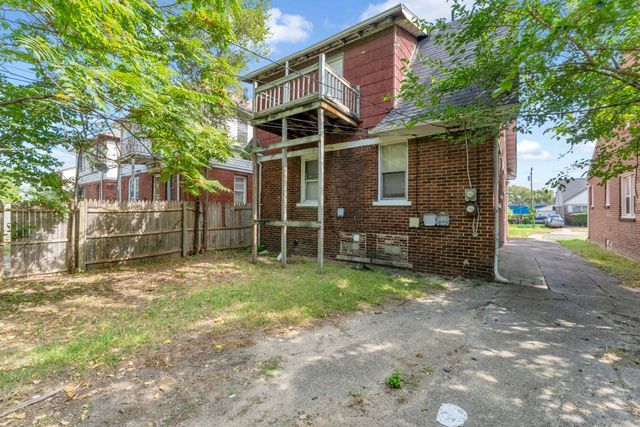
x: 295, y: 24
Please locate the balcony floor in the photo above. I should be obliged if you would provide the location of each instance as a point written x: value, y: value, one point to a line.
x: 303, y: 119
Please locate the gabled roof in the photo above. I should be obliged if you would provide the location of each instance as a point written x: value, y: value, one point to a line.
x: 429, y: 49
x: 573, y: 188
x: 398, y: 15
x: 239, y: 165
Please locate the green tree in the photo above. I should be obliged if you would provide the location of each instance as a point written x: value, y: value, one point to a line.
x: 573, y: 64
x: 519, y: 195
x: 70, y: 69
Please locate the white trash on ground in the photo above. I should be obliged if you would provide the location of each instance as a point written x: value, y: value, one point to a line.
x: 450, y: 415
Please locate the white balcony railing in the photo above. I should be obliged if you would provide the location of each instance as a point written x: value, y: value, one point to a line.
x: 318, y: 81
x: 132, y: 146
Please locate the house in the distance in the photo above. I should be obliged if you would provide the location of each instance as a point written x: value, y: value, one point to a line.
x: 121, y: 167
x: 573, y: 198
x: 342, y: 177
x: 614, y: 212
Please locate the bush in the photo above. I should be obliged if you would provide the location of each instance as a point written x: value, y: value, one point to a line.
x: 576, y: 220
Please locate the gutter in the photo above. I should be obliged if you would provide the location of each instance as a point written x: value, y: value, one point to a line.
x: 496, y: 187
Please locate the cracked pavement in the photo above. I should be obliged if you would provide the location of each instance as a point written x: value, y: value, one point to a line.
x: 566, y: 353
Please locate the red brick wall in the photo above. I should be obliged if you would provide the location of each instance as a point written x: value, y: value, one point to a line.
x: 437, y: 179
x: 605, y: 222
x: 109, y: 190
x: 224, y: 176
x: 375, y: 64
x: 405, y: 45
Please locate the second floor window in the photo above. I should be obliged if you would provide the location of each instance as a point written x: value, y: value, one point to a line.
x: 392, y: 172
x: 134, y: 188
x: 628, y: 196
x: 607, y: 194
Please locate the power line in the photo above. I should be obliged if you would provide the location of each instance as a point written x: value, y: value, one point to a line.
x: 246, y: 49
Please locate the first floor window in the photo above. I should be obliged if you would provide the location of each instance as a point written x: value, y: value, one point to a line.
x: 309, y: 190
x: 592, y: 195
x: 239, y: 189
x: 134, y: 188
x: 607, y: 194
x: 628, y: 195
x: 392, y: 175
x: 171, y: 188
x: 156, y: 187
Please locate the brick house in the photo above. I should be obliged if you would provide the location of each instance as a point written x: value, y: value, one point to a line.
x: 614, y: 212
x: 107, y: 167
x: 340, y: 176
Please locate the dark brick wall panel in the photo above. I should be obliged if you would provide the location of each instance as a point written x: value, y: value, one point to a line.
x: 437, y: 179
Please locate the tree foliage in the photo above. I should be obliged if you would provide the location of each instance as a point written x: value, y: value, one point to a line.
x: 574, y: 65
x: 519, y: 195
x: 71, y: 69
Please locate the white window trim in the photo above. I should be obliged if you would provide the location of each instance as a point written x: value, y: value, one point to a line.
x: 593, y: 196
x: 632, y: 182
x: 155, y: 187
x: 607, y: 194
x: 404, y: 201
x: 304, y: 203
x: 132, y: 180
x: 244, y: 188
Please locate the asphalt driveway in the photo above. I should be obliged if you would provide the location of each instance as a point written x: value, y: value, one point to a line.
x: 565, y: 354
x: 560, y: 349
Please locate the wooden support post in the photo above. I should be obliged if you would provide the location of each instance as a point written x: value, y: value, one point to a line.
x: 254, y: 201
x: 321, y: 190
x: 82, y: 234
x: 321, y: 79
x: 283, y: 230
x: 184, y: 229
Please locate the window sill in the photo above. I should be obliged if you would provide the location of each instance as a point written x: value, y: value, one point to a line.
x: 307, y: 205
x: 392, y: 203
x: 628, y: 218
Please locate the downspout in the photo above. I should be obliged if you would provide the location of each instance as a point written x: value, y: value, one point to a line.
x: 496, y: 208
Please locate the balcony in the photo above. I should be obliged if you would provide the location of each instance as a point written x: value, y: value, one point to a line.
x: 300, y: 94
x: 135, y: 150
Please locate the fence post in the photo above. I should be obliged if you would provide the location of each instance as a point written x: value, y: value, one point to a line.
x: 205, y: 238
x: 82, y: 234
x: 1, y: 241
x: 184, y: 229
x: 196, y: 227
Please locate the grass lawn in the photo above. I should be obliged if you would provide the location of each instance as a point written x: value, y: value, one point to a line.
x: 626, y: 270
x: 526, y: 230
x: 65, y: 325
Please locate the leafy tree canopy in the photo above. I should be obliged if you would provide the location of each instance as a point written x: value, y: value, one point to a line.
x: 70, y: 69
x: 519, y: 195
x: 574, y: 65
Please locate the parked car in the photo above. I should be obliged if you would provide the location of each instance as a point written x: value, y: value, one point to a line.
x: 554, y: 221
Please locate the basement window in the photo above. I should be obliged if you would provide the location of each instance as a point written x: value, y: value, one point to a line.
x: 309, y: 181
x: 628, y: 195
x: 392, y: 175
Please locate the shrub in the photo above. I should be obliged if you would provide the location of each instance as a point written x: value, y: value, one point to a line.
x: 394, y: 380
x: 576, y: 220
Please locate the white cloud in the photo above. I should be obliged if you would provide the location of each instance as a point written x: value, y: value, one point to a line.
x: 426, y: 9
x: 286, y: 28
x: 588, y: 147
x: 531, y: 150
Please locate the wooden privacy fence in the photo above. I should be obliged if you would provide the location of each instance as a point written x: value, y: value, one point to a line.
x: 99, y: 233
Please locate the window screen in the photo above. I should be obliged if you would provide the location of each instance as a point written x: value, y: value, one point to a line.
x: 310, y: 180
x: 393, y: 170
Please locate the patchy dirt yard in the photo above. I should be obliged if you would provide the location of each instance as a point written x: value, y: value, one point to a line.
x: 508, y: 355
x: 79, y: 333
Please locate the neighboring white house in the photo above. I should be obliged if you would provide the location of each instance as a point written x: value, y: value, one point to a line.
x: 573, y: 198
x: 545, y: 211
